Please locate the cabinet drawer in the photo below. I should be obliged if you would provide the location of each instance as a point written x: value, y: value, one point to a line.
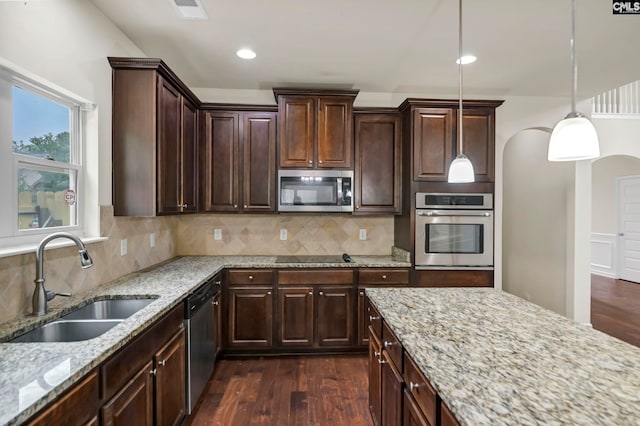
x: 316, y: 276
x: 251, y: 276
x: 383, y: 276
x: 124, y: 364
x: 76, y: 407
x: 391, y: 344
x: 420, y: 389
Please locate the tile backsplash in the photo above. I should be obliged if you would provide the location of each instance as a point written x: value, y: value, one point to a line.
x: 260, y: 234
x: 241, y: 234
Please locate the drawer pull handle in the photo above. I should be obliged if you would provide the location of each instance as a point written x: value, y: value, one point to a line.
x: 384, y: 277
x: 216, y: 303
x: 388, y: 344
x: 250, y: 277
x: 218, y: 282
x: 362, y: 293
x: 321, y: 293
x: 235, y: 206
x: 413, y: 386
x: 163, y: 362
x: 376, y: 354
x: 269, y: 293
x: 381, y: 361
x: 245, y: 206
x: 311, y: 293
x: 372, y: 318
x: 153, y: 372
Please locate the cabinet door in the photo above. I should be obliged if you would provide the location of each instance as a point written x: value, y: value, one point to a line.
x: 221, y: 161
x: 297, y: 130
x: 217, y: 323
x: 478, y: 143
x: 259, y: 165
x: 76, y: 407
x: 170, y: 381
x: 432, y: 143
x: 169, y: 134
x: 446, y: 416
x: 377, y: 165
x: 250, y: 317
x: 133, y: 405
x: 188, y: 163
x: 391, y: 392
x: 335, y: 138
x: 334, y: 320
x: 412, y: 416
x: 375, y: 378
x: 363, y: 319
x: 295, y: 309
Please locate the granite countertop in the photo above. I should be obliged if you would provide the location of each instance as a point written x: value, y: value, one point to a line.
x: 496, y: 359
x: 33, y: 374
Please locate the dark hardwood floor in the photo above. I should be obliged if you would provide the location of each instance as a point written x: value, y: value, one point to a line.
x: 311, y: 390
x: 615, y: 308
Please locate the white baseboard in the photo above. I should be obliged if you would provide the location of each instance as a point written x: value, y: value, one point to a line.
x: 604, y: 249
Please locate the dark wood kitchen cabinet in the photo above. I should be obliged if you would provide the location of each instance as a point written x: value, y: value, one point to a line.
x: 315, y: 128
x: 169, y: 373
x: 250, y: 309
x: 433, y: 136
x: 391, y: 391
x: 133, y: 404
x: 411, y: 414
x: 154, y: 140
x: 78, y: 406
x: 239, y: 172
x: 377, y: 162
x: 316, y: 308
x: 375, y: 376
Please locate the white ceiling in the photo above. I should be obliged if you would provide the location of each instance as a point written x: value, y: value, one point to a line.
x: 404, y: 46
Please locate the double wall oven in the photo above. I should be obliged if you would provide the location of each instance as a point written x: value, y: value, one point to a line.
x: 454, y: 231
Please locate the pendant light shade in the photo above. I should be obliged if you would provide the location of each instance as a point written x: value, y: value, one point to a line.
x: 461, y: 169
x: 573, y: 138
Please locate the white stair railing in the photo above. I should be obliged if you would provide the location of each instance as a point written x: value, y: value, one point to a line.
x: 621, y: 102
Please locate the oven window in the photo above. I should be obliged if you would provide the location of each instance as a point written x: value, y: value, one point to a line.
x: 454, y: 238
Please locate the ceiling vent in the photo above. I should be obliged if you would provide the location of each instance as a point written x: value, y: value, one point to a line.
x: 189, y: 9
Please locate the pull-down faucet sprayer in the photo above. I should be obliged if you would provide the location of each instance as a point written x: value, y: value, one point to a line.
x: 40, y: 294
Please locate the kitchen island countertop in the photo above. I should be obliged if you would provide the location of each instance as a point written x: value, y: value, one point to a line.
x: 496, y: 359
x: 34, y: 374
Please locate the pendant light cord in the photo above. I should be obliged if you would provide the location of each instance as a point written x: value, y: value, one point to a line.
x: 574, y: 65
x: 460, y: 74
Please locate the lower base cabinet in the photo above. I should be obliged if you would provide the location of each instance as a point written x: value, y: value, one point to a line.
x: 411, y: 414
x: 375, y: 378
x: 134, y: 403
x: 169, y: 372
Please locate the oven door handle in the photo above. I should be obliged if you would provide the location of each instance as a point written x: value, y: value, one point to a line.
x: 449, y: 214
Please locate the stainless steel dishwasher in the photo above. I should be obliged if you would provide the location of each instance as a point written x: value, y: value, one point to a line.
x: 201, y: 344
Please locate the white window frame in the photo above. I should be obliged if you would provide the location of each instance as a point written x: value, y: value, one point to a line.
x: 10, y: 235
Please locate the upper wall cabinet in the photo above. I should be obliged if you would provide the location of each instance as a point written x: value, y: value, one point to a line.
x: 377, y: 162
x: 154, y: 140
x: 239, y: 165
x: 433, y: 126
x: 315, y: 129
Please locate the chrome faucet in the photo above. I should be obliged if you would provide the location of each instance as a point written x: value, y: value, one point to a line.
x: 40, y: 294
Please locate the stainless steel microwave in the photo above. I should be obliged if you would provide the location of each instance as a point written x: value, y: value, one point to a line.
x: 315, y: 190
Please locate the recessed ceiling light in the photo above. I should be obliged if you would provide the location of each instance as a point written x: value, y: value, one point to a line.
x: 466, y: 59
x: 246, y: 53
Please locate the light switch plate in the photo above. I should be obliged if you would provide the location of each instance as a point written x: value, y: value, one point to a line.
x: 283, y: 235
x: 123, y: 247
x: 152, y: 239
x: 363, y: 234
x: 217, y: 234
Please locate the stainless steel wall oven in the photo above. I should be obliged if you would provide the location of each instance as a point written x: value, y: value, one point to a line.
x: 453, y: 231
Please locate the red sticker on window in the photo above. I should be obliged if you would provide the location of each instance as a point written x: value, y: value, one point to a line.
x: 70, y: 197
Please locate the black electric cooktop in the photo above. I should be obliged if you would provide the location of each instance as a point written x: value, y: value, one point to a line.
x: 310, y: 259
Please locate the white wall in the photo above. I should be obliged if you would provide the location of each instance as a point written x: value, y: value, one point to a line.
x: 67, y: 43
x: 534, y: 226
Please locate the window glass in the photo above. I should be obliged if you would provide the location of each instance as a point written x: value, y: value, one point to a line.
x: 40, y: 126
x: 46, y: 198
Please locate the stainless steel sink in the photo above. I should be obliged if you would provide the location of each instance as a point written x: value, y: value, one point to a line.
x: 85, y: 323
x: 108, y: 309
x: 67, y: 331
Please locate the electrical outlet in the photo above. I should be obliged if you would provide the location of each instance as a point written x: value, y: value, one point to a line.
x: 283, y: 234
x: 363, y: 234
x: 152, y: 239
x: 217, y: 234
x: 123, y: 247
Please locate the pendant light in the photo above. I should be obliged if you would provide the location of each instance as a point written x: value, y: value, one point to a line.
x: 574, y: 137
x: 461, y: 169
